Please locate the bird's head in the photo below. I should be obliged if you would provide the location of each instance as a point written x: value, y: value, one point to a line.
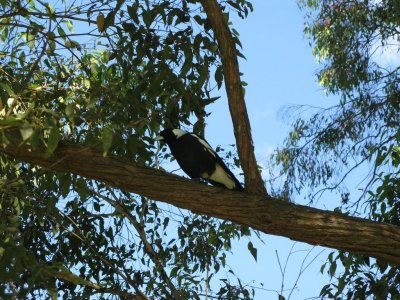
x: 170, y: 135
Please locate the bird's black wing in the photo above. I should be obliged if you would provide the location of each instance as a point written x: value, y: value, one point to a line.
x: 219, y: 160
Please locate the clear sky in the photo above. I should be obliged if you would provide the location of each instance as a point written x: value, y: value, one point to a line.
x: 280, y: 72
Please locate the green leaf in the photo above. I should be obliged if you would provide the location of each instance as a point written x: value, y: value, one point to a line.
x: 322, y: 268
x: 165, y: 222
x: 30, y: 38
x: 109, y: 20
x: 81, y: 188
x: 50, y: 11
x: 75, y: 44
x: 4, y: 34
x: 96, y: 206
x: 53, y: 293
x: 52, y: 47
x: 107, y: 139
x: 4, y: 139
x: 148, y: 17
x: 70, y: 25
x: 4, y: 3
x: 252, y: 250
x: 100, y: 22
x: 70, y: 112
x: 219, y: 76
x: 26, y: 132
x: 65, y: 184
x: 22, y: 58
x: 133, y: 13
x: 10, y: 121
x: 198, y: 19
x: 234, y: 5
x: 332, y: 269
x: 61, y: 32
x: 53, y: 141
x: 7, y: 88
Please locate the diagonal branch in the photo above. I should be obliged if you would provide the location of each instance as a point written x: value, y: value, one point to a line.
x: 82, y: 237
x: 234, y: 90
x: 264, y: 213
x: 148, y: 247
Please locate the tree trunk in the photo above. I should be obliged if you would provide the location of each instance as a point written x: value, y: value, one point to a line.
x: 264, y: 213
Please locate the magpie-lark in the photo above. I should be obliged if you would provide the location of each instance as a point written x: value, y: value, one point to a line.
x: 197, y: 159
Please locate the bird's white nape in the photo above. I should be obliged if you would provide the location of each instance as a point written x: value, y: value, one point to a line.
x: 178, y: 132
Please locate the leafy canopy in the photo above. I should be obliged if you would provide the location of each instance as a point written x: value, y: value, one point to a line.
x: 357, y: 44
x: 105, y: 74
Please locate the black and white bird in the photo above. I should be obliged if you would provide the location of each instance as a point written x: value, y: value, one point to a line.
x: 197, y: 159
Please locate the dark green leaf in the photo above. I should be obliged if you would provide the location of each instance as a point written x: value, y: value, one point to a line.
x: 252, y: 250
x: 53, y: 140
x: 107, y: 140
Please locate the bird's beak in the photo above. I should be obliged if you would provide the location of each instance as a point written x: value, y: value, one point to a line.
x: 159, y: 138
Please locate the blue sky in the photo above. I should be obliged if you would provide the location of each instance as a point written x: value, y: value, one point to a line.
x: 280, y: 72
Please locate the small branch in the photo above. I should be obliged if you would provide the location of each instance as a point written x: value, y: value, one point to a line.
x: 120, y: 293
x: 142, y: 234
x: 304, y: 268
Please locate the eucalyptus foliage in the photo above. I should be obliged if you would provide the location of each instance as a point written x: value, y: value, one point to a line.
x: 109, y: 75
x: 357, y: 44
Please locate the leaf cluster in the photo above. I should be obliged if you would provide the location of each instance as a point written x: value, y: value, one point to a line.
x: 108, y: 75
x: 357, y: 139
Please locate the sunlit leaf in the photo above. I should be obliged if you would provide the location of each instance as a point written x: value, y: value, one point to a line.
x: 53, y: 140
x: 107, y: 140
x: 100, y: 22
x: 26, y: 132
x: 70, y: 25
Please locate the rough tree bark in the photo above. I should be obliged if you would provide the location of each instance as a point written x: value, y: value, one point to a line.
x: 264, y: 213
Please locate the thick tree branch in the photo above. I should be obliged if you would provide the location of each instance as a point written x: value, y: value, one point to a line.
x: 264, y: 213
x: 234, y: 90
